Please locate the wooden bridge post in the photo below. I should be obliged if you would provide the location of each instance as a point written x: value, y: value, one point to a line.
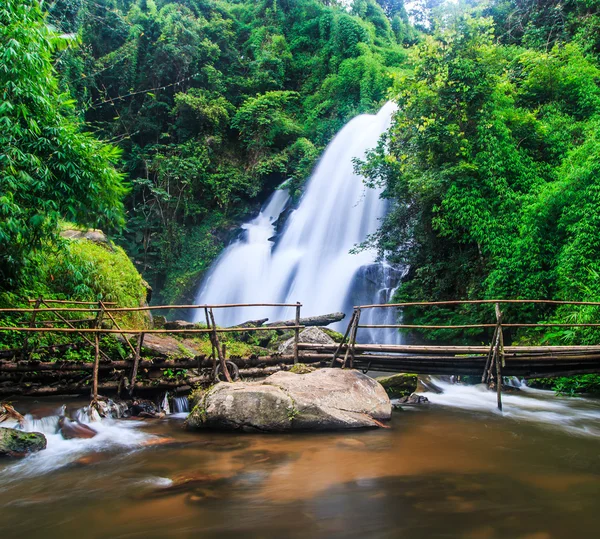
x: 215, y: 338
x: 297, y: 333
x: 339, y: 348
x: 499, y: 356
x: 97, y: 323
x: 352, y: 341
x: 212, y: 342
x: 25, y: 351
x: 136, y: 362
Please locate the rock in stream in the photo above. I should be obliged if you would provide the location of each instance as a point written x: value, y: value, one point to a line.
x: 326, y: 399
x: 16, y: 443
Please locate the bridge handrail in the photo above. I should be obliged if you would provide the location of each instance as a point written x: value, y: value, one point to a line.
x: 477, y: 302
x: 144, y: 308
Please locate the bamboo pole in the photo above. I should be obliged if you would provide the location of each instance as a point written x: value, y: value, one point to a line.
x: 213, y: 354
x: 351, y: 341
x: 136, y: 362
x: 219, y: 351
x: 206, y: 362
x: 297, y: 333
x: 96, y: 356
x: 479, y: 326
x: 411, y: 348
x: 72, y: 302
x: 489, y: 356
x: 499, y: 357
x: 480, y: 302
x: 148, y: 331
x: 341, y: 344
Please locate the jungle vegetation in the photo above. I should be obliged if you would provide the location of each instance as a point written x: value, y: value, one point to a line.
x: 168, y: 122
x: 492, y: 165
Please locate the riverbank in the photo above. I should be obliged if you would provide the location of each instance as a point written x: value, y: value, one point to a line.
x: 439, y: 471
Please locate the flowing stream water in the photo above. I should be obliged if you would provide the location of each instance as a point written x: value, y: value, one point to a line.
x: 453, y: 469
x: 310, y: 261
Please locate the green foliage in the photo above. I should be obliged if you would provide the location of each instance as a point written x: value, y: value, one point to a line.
x: 492, y: 168
x: 49, y: 168
x: 570, y: 386
x: 217, y: 103
x: 78, y: 270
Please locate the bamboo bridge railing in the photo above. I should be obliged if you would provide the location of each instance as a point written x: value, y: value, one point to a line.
x: 491, y: 362
x: 97, y: 325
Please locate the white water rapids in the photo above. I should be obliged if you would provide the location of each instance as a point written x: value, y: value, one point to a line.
x: 112, y: 434
x: 574, y: 415
x: 311, y: 261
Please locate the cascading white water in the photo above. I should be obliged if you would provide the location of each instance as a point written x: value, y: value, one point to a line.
x: 311, y: 261
x: 181, y: 405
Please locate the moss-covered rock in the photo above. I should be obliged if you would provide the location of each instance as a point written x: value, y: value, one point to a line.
x: 85, y: 266
x: 335, y: 335
x: 399, y: 385
x: 302, y: 368
x: 15, y: 443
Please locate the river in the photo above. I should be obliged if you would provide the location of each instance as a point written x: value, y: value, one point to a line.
x: 453, y: 468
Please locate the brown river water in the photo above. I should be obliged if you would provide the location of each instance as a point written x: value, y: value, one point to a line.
x: 453, y: 468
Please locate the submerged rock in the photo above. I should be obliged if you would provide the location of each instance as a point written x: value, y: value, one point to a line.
x: 410, y: 399
x: 145, y: 408
x: 70, y: 429
x: 16, y: 443
x: 325, y: 399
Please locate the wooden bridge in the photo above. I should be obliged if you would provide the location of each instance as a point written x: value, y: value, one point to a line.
x: 88, y: 321
x: 491, y: 362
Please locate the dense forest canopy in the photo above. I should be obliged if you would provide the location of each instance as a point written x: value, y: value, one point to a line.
x: 493, y: 161
x: 216, y: 103
x: 168, y: 122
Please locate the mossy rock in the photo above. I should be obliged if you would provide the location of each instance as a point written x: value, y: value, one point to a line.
x: 399, y: 385
x: 302, y: 368
x: 14, y: 443
x: 336, y: 336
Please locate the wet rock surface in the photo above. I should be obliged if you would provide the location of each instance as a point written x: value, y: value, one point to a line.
x: 70, y: 429
x: 326, y: 399
x: 399, y: 385
x: 311, y: 335
x: 16, y: 443
x: 410, y: 399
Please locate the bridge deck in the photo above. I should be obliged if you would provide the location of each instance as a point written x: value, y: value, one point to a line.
x: 522, y: 361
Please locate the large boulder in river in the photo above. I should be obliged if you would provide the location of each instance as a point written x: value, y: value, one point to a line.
x: 16, y: 443
x: 326, y: 399
x: 311, y: 335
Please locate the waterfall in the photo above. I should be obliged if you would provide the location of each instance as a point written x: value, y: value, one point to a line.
x: 181, y: 405
x: 310, y: 261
